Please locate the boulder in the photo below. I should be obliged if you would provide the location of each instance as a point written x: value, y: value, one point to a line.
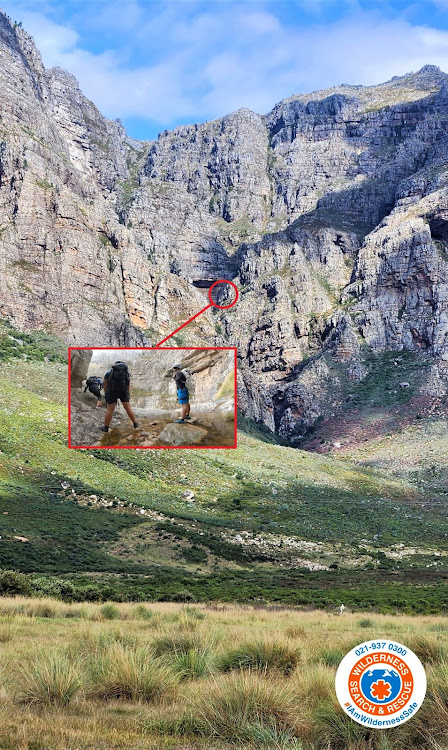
x: 182, y: 434
x: 79, y: 366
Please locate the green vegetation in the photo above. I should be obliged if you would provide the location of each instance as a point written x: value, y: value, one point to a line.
x: 387, y: 370
x: 261, y: 655
x: 37, y: 346
x: 45, y: 184
x: 25, y: 265
x: 51, y: 678
x: 227, y: 386
x: 134, y: 161
x: 268, y: 523
x: 180, y: 339
x: 105, y: 239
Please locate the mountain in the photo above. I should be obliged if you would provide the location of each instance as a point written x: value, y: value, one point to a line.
x: 330, y: 213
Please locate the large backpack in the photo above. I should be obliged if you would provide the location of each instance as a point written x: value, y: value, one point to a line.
x: 119, y: 378
x: 93, y: 380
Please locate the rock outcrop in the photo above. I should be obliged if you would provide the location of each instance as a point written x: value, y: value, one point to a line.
x: 330, y: 213
x: 79, y: 366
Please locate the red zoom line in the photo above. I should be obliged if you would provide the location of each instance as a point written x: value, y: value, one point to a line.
x: 184, y: 324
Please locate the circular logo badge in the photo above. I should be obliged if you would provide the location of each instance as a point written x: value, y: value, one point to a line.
x: 380, y: 684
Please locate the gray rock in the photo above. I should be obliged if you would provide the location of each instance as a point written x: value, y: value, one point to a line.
x: 79, y: 366
x: 182, y: 434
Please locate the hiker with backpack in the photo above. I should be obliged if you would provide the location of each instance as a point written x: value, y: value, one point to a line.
x: 117, y: 386
x: 95, y: 385
x: 183, y: 396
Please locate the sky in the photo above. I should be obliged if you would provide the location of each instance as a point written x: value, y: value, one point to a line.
x: 156, y: 64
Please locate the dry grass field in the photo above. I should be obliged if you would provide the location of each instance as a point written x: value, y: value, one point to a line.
x: 148, y: 677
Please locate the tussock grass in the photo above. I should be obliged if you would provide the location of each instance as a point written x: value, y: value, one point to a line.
x: 263, y: 655
x: 296, y: 631
x: 110, y: 611
x: 177, y: 644
x: 315, y: 683
x: 89, y: 642
x: 366, y: 622
x: 194, y: 613
x: 44, y: 609
x: 193, y: 664
x: 129, y: 674
x: 7, y: 628
x: 429, y: 649
x: 336, y: 730
x: 239, y: 705
x: 151, y: 684
x: 51, y: 678
x: 332, y: 655
x: 143, y: 613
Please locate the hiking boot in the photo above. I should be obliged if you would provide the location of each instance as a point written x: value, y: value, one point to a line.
x: 135, y: 425
x: 103, y: 428
x: 188, y: 417
x: 179, y: 421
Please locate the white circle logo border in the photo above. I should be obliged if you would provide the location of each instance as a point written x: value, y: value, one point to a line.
x: 373, y: 656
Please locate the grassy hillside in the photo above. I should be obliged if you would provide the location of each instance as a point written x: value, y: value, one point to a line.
x: 149, y: 677
x: 267, y: 522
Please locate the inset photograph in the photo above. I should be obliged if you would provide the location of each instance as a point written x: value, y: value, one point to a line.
x: 152, y: 397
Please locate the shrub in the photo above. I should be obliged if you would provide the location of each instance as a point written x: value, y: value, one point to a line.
x: 183, y: 596
x: 129, y: 674
x: 264, y: 655
x: 56, y: 588
x: 88, y: 592
x: 13, y: 583
x: 50, y: 679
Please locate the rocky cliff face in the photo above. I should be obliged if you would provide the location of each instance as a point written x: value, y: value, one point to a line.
x: 330, y: 213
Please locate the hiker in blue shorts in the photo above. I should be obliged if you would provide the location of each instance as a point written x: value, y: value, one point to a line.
x: 182, y: 394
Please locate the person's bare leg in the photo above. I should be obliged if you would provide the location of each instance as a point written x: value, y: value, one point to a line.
x: 185, y: 409
x: 129, y: 412
x: 109, y: 414
x: 98, y: 404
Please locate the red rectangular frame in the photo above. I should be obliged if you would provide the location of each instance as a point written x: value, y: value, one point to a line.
x: 155, y: 447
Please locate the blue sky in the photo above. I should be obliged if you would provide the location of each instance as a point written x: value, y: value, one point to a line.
x: 158, y: 64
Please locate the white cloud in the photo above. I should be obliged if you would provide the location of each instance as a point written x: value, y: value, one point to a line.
x: 205, y: 64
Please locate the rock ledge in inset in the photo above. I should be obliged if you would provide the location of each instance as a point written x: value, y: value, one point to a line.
x: 182, y: 434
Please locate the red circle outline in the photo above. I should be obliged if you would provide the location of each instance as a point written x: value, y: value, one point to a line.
x: 223, y: 307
